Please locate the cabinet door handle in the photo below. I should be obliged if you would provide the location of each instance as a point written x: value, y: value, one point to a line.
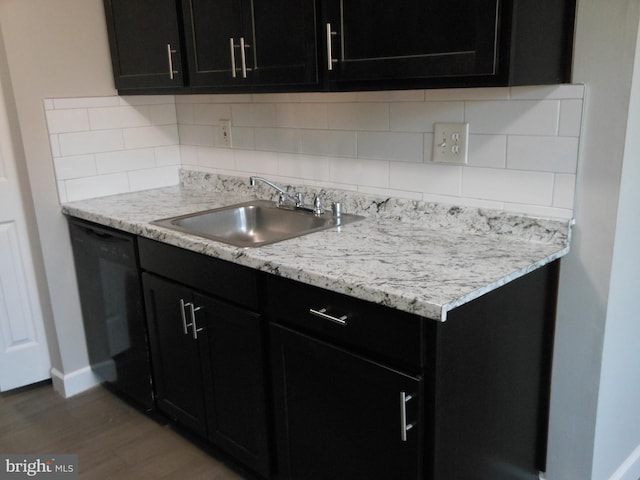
x: 233, y: 57
x: 330, y: 60
x: 194, y: 327
x: 184, y: 317
x: 322, y: 313
x: 170, y: 53
x: 404, y: 427
x: 243, y: 57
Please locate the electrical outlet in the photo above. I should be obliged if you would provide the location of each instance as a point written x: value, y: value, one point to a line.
x: 225, y: 132
x: 450, y: 143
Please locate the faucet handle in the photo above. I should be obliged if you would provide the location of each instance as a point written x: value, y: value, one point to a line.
x: 317, y: 202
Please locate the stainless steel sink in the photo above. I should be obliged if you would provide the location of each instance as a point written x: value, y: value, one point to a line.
x: 255, y: 223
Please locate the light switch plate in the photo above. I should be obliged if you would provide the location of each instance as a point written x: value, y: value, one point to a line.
x: 450, y: 143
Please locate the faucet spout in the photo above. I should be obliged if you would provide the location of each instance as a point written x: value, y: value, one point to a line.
x: 297, y: 200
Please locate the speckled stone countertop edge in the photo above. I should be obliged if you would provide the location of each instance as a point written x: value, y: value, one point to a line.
x: 463, y: 239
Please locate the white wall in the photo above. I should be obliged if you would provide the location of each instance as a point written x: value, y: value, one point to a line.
x: 617, y: 441
x: 588, y: 438
x: 54, y: 49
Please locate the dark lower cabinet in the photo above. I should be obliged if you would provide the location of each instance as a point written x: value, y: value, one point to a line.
x: 207, y: 352
x: 339, y: 415
x: 180, y: 361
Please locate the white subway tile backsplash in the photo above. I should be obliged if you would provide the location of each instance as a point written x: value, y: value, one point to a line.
x: 564, y: 191
x: 404, y: 147
x: 523, y: 147
x: 198, y: 135
x: 328, y: 142
x: 141, y: 137
x: 358, y: 116
x: 76, y: 166
x: 153, y: 178
x: 85, y: 102
x: 513, y: 117
x: 125, y: 160
x: 210, y: 113
x: 546, y: 154
x: 420, y: 117
x: 535, y: 188
x: 302, y: 115
x: 260, y: 162
x: 304, y: 166
x: 166, y: 156
x: 286, y: 140
x: 488, y: 151
x: 80, y: 143
x: 432, y: 178
x: 217, y: 158
x: 570, y: 118
x: 64, y: 121
x: 164, y: 114
x: 359, y: 172
x: 98, y: 186
x: 254, y: 115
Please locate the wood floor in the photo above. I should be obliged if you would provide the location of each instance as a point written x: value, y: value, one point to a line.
x: 112, y: 439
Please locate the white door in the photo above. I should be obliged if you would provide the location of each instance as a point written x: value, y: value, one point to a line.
x: 24, y: 356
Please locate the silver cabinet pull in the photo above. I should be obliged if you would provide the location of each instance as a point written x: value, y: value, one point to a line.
x: 194, y: 327
x: 184, y: 316
x: 404, y: 427
x: 233, y: 57
x: 330, y: 60
x: 322, y: 313
x: 243, y: 57
x: 170, y: 53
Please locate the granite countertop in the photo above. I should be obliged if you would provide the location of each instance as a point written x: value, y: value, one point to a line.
x: 419, y: 257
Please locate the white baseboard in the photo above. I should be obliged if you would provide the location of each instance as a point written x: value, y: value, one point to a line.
x: 71, y: 384
x: 630, y: 468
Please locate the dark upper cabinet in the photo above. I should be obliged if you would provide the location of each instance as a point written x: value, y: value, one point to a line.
x: 251, y: 43
x: 371, y: 44
x: 144, y: 38
x: 377, y: 40
x: 217, y: 46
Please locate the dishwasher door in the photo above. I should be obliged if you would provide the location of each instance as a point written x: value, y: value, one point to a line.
x: 113, y: 309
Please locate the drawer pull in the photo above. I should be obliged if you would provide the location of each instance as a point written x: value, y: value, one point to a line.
x: 322, y: 313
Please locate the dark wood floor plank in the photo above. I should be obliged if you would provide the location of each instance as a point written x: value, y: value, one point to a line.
x: 112, y: 439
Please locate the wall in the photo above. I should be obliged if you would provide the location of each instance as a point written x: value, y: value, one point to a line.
x: 593, y: 426
x: 55, y: 49
x: 523, y: 143
x: 617, y: 441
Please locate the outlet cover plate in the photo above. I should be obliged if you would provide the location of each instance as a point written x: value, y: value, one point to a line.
x: 225, y: 132
x: 450, y: 143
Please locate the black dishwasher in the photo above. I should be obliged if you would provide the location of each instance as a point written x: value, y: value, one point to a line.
x: 113, y: 313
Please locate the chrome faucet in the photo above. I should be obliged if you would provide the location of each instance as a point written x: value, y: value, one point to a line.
x: 296, y: 199
x: 282, y: 194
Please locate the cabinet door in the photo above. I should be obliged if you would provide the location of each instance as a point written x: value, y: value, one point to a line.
x: 145, y: 43
x: 413, y: 39
x: 283, y: 35
x: 177, y: 357
x: 341, y: 416
x: 212, y: 39
x: 236, y: 409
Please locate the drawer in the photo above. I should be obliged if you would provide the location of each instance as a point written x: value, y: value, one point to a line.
x: 210, y: 275
x: 380, y: 332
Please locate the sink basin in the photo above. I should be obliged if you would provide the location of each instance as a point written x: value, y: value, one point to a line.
x: 255, y: 223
